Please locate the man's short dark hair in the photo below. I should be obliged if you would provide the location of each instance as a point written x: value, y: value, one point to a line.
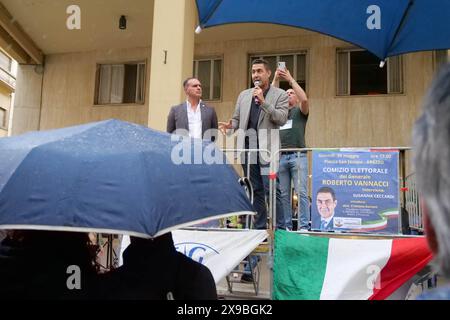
x: 185, y: 82
x: 262, y: 61
x: 327, y: 190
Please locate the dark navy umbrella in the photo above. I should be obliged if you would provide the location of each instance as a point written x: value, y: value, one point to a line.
x: 114, y: 177
x: 383, y: 27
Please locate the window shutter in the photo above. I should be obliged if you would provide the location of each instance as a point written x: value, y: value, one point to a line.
x: 140, y: 85
x: 209, y: 72
x: 343, y: 75
x: 217, y: 79
x: 105, y: 84
x: 395, y: 81
x: 204, y: 75
x: 117, y: 83
x: 301, y: 68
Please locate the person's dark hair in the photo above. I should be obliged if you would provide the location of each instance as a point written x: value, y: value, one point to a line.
x: 263, y: 62
x: 327, y: 190
x: 185, y: 82
x: 163, y: 240
x: 38, y: 264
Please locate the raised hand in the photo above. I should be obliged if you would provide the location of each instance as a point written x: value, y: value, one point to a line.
x: 224, y: 126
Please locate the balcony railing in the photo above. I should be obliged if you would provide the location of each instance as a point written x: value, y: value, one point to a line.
x: 7, y: 78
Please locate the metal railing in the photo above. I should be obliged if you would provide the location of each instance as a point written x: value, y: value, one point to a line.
x: 412, y: 204
x: 237, y: 153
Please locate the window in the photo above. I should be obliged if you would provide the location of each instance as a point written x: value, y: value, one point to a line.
x: 295, y: 63
x: 359, y: 73
x: 2, y: 118
x: 209, y: 73
x: 120, y: 83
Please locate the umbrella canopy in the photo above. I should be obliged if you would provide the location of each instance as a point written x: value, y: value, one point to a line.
x: 113, y: 177
x: 383, y: 27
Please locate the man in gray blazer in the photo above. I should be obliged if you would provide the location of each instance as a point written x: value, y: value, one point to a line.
x: 260, y: 111
x: 193, y: 117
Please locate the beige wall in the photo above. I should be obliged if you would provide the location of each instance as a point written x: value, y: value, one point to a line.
x: 334, y: 121
x: 173, y: 52
x: 27, y: 102
x: 69, y: 87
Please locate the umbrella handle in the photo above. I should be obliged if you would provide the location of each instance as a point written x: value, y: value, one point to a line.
x: 246, y: 183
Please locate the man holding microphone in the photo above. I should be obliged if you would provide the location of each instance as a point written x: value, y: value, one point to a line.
x: 260, y: 111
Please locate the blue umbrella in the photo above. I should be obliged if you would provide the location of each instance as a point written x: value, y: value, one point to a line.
x: 113, y: 177
x: 383, y: 27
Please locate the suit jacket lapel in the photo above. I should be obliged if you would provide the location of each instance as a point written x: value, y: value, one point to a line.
x: 246, y: 104
x: 204, y: 112
x: 184, y: 117
x: 268, y: 99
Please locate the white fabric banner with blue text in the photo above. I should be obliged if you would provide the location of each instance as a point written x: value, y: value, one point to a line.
x: 220, y: 251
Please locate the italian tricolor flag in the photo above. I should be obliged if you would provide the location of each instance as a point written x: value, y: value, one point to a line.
x: 313, y: 267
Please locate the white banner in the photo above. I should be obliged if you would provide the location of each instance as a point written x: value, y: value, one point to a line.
x: 220, y: 251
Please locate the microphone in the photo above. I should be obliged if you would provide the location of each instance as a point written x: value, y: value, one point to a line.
x: 257, y: 84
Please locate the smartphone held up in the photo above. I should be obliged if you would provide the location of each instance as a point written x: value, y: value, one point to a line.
x: 282, y: 65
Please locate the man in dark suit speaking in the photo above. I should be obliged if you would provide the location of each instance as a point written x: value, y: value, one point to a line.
x: 193, y: 117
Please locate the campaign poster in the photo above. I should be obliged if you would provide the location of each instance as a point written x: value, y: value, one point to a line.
x: 355, y: 191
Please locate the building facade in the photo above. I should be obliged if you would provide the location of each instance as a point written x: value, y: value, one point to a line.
x: 76, y: 71
x: 8, y: 69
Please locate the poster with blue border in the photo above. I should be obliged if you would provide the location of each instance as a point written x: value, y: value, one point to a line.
x: 355, y: 191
